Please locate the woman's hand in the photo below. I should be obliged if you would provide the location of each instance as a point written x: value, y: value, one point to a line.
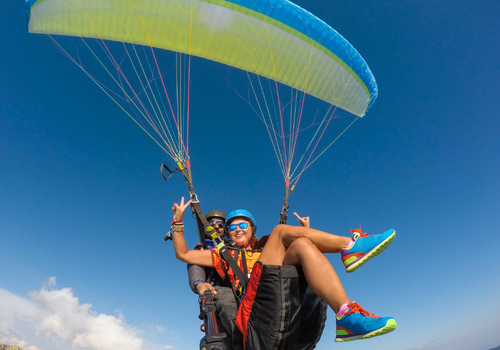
x: 304, y: 221
x: 179, y: 209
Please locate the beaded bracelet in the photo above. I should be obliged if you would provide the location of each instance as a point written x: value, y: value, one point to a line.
x: 177, y: 227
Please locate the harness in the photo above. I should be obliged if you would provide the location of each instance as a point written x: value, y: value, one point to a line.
x: 241, y: 273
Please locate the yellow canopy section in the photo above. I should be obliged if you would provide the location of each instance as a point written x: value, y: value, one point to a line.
x: 267, y: 44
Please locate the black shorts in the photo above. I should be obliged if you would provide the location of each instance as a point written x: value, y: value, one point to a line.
x: 279, y: 311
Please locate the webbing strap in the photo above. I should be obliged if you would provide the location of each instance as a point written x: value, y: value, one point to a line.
x: 284, y: 210
x: 244, y: 266
x: 201, y: 222
x: 233, y: 264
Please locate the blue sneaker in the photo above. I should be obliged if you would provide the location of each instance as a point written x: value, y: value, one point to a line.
x: 357, y: 323
x: 365, y: 248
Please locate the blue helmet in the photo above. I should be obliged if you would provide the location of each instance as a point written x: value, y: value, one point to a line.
x: 244, y: 214
x: 241, y: 213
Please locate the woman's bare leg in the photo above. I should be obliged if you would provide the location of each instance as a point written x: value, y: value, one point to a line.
x: 319, y: 273
x: 289, y: 245
x: 283, y: 236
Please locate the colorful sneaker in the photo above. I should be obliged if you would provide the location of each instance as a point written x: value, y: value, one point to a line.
x: 357, y: 323
x: 365, y: 247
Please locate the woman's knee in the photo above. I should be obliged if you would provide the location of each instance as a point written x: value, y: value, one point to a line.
x: 279, y: 230
x: 287, y: 234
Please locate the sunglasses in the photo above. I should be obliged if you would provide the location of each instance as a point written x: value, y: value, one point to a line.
x: 216, y: 222
x: 242, y: 225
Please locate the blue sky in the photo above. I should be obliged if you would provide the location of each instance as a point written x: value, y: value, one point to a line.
x: 82, y: 217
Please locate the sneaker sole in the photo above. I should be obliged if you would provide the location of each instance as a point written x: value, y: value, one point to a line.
x: 374, y: 252
x: 389, y: 327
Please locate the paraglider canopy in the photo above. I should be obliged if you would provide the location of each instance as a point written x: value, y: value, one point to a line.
x: 272, y: 38
x: 275, y: 42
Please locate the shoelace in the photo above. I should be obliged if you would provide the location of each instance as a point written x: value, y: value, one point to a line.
x: 356, y: 308
x: 360, y: 234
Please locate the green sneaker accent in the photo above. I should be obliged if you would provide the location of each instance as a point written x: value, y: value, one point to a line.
x: 389, y: 327
x: 351, y: 260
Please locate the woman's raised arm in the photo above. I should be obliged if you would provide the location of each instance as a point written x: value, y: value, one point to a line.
x: 194, y: 257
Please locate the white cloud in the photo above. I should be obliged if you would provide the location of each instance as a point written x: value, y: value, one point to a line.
x: 426, y: 345
x: 58, y: 320
x: 15, y: 313
x: 64, y: 317
x: 51, y: 282
x: 160, y: 329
